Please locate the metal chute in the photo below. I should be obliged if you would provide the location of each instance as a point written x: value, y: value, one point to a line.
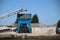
x: 12, y: 13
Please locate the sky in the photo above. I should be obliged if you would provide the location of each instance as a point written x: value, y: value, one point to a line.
x: 48, y: 11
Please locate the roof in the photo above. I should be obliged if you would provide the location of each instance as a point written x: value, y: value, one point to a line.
x: 24, y: 15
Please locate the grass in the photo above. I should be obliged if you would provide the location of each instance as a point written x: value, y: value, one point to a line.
x: 57, y: 37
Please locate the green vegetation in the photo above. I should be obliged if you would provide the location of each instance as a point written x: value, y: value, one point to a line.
x: 56, y: 37
x: 35, y: 19
x: 58, y: 24
x: 9, y: 26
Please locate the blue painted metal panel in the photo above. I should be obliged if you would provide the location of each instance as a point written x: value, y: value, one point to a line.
x: 24, y: 21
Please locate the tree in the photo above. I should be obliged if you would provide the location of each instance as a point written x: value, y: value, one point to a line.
x: 58, y: 24
x: 35, y: 19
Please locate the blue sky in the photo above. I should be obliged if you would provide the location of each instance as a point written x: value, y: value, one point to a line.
x: 48, y: 11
